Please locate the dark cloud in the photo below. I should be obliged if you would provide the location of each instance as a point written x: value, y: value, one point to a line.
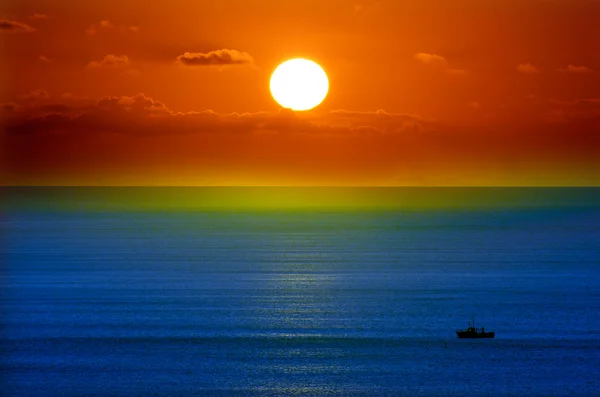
x: 9, y: 107
x: 140, y: 138
x: 215, y: 58
x: 69, y: 135
x: 140, y: 114
x: 15, y: 27
x: 69, y: 131
x: 38, y: 94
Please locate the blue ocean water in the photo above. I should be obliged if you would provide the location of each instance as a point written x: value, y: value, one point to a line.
x: 300, y: 303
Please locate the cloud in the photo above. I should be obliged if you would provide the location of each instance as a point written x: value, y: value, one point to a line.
x: 140, y: 114
x: 215, y: 58
x: 142, y: 133
x: 44, y: 59
x: 439, y: 62
x: 38, y: 94
x: 39, y: 16
x: 110, y: 62
x: 527, y: 68
x: 15, y: 27
x: 115, y: 62
x: 9, y: 107
x: 107, y: 25
x: 431, y: 59
x: 575, y: 69
x: 70, y: 97
x: 584, y: 109
x: 91, y: 31
x: 144, y: 115
x: 379, y: 121
x: 138, y: 135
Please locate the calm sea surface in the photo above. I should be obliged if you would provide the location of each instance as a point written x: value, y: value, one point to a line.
x: 300, y: 303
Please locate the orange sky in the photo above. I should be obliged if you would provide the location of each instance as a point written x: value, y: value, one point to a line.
x: 422, y: 92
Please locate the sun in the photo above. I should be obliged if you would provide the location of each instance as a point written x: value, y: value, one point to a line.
x: 299, y: 84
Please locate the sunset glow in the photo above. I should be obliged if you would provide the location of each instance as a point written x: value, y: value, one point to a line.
x: 416, y: 93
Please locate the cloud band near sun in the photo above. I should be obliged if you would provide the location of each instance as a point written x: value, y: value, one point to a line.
x: 142, y: 115
x: 215, y: 58
x: 69, y: 137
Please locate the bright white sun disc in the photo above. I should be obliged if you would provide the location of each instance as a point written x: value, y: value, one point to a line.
x: 299, y: 84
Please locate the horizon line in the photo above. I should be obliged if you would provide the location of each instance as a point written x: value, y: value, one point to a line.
x: 310, y: 186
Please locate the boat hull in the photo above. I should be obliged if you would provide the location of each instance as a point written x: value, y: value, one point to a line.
x: 475, y: 335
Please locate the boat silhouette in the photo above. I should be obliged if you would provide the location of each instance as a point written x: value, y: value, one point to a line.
x: 472, y: 332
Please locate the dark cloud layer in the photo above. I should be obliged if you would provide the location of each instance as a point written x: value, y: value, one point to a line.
x: 70, y: 133
x: 215, y: 58
x: 15, y: 27
x: 140, y: 114
x: 35, y: 95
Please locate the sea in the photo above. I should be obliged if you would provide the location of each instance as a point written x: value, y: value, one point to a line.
x: 102, y: 296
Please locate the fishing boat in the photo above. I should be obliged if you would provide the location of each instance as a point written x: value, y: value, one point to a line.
x: 472, y: 332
